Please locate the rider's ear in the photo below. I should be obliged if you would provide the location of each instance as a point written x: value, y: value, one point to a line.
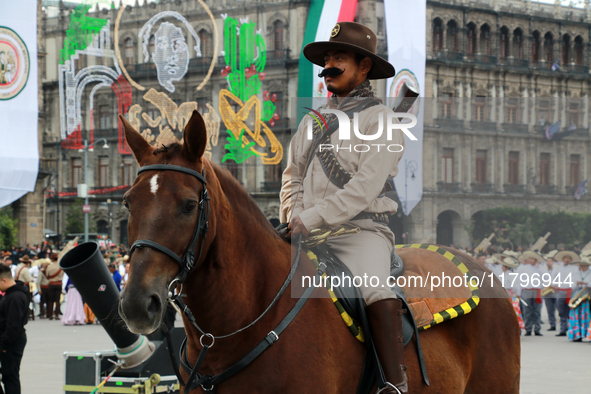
x: 194, y: 137
x: 139, y: 146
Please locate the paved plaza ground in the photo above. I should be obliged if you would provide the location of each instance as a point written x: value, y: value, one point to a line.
x: 549, y: 365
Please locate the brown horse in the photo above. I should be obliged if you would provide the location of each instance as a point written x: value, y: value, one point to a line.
x: 242, y: 267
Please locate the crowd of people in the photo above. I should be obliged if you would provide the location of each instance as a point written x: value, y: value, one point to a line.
x: 38, y: 268
x: 558, y: 279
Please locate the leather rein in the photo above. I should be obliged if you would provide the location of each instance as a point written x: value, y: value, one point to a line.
x: 187, y: 264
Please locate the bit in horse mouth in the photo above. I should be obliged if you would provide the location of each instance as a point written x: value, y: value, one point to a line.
x: 330, y: 72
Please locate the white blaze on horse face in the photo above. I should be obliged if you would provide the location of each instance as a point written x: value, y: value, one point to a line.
x: 154, y: 184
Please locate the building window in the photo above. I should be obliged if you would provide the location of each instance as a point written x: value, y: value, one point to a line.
x: 103, y: 171
x: 76, y: 171
x: 104, y: 117
x: 278, y: 38
x: 545, y: 169
x: 514, y: 168
x: 479, y: 104
x: 565, y: 50
x: 549, y: 47
x: 206, y: 43
x: 446, y: 105
x: 485, y: 39
x: 80, y: 63
x: 127, y: 170
x: 535, y: 47
x: 573, y: 115
x: 544, y: 110
x: 518, y: 44
x: 448, y: 165
x: 437, y: 35
x: 575, y: 166
x: 452, y: 36
x: 380, y: 30
x: 579, y: 51
x: 481, y: 166
x: 512, y: 110
x: 128, y: 51
x: 202, y: 105
x: 504, y: 43
x: 471, y: 39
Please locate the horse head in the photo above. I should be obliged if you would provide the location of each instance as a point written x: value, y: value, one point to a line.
x: 163, y: 208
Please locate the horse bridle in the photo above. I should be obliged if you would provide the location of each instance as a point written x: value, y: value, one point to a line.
x: 187, y: 264
x: 187, y: 261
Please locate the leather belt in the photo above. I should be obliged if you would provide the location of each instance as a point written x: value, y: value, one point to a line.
x: 376, y: 217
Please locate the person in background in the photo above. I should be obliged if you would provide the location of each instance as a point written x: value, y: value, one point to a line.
x: 564, y: 284
x: 74, y: 311
x: 531, y: 294
x: 55, y: 275
x: 550, y: 298
x: 578, y: 318
x: 22, y: 274
x: 116, y: 274
x: 508, y: 265
x: 14, y: 311
x: 43, y: 288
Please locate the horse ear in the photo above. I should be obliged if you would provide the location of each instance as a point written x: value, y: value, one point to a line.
x: 139, y: 146
x: 194, y: 137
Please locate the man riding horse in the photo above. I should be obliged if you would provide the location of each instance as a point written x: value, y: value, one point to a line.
x: 329, y: 188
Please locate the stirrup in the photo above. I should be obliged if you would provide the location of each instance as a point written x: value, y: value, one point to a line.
x: 389, y: 386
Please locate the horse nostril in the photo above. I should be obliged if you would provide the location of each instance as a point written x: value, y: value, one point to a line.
x: 154, y: 305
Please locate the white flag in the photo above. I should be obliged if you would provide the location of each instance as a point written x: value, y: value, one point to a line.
x: 19, y: 108
x: 406, y: 29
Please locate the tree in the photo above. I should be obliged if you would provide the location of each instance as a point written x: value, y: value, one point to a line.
x: 75, y: 218
x: 7, y: 228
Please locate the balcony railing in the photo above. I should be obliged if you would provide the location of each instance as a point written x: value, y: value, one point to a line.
x: 570, y: 190
x: 481, y: 187
x: 546, y: 189
x: 450, y: 123
x: 482, y: 59
x: 483, y: 125
x: 575, y: 68
x: 273, y: 186
x: 516, y: 128
x: 450, y: 55
x: 511, y: 188
x: 513, y: 62
x: 449, y: 187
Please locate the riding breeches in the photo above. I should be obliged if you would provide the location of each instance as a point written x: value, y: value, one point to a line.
x: 367, y: 255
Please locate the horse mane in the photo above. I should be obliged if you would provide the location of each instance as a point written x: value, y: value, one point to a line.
x: 238, y: 198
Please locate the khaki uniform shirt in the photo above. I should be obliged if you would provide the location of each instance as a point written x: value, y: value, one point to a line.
x: 22, y: 273
x: 42, y: 279
x: 319, y: 202
x: 52, y: 270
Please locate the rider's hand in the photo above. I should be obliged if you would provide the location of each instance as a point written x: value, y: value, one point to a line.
x: 297, y: 226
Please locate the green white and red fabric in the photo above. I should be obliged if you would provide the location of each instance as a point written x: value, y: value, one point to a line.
x: 322, y: 17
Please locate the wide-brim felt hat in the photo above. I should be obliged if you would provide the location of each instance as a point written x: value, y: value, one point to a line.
x: 505, y: 260
x: 25, y: 259
x: 351, y: 36
x: 585, y: 260
x: 527, y: 254
x: 560, y: 255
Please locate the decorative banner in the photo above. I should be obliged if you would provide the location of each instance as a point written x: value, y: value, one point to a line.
x: 245, y: 56
x: 322, y: 17
x: 164, y: 47
x: 19, y: 107
x: 406, y: 29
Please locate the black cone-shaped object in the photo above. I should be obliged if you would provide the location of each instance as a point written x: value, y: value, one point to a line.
x: 87, y: 269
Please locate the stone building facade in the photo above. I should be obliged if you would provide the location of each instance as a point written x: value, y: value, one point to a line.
x: 498, y: 72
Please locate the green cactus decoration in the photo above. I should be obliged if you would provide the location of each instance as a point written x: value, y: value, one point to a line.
x: 237, y: 152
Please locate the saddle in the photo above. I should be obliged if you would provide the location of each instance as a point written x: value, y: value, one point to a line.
x: 353, y: 305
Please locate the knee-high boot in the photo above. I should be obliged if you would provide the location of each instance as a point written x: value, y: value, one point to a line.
x: 385, y: 319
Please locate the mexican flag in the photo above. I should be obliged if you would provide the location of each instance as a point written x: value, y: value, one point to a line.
x: 322, y: 17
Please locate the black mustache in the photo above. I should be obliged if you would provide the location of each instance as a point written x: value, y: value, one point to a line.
x: 330, y: 72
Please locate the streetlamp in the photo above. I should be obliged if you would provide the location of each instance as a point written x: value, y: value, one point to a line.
x: 410, y: 166
x: 85, y: 187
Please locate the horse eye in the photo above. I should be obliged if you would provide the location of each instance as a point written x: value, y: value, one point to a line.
x: 190, y: 207
x: 125, y: 204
